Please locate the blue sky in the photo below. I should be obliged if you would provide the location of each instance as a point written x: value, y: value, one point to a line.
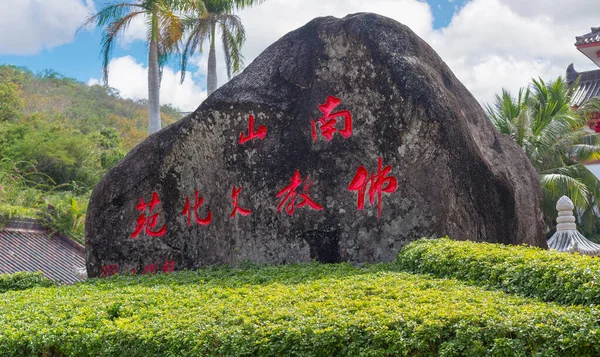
x: 80, y: 59
x: 489, y: 44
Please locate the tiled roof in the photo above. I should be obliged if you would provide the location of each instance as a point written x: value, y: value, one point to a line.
x: 589, y: 85
x: 593, y: 36
x: 29, y: 249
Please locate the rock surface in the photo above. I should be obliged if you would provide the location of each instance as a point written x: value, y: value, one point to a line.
x: 419, y: 144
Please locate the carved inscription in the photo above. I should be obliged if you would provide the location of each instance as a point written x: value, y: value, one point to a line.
x: 295, y: 195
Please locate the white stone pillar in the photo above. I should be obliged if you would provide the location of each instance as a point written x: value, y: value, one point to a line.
x: 565, y: 219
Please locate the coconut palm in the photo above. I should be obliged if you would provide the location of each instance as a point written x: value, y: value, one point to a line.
x: 165, y: 29
x: 554, y: 136
x: 208, y: 18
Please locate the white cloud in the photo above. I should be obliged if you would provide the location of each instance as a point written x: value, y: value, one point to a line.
x: 489, y: 44
x: 486, y: 75
x: 576, y: 13
x: 137, y: 30
x: 93, y: 82
x: 130, y: 78
x: 28, y: 26
x: 271, y: 20
x: 282, y: 16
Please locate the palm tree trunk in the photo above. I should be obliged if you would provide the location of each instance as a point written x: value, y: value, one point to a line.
x: 211, y: 76
x: 153, y: 86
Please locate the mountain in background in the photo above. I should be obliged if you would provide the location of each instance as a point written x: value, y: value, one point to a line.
x: 58, y: 137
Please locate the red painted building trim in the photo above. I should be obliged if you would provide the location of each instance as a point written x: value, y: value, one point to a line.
x: 586, y: 45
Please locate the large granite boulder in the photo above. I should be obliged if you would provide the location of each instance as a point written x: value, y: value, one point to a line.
x: 343, y: 141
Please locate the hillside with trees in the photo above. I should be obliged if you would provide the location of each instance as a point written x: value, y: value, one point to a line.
x: 58, y: 137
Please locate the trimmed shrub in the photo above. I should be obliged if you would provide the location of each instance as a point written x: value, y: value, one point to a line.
x: 528, y: 271
x: 299, y: 310
x: 23, y: 280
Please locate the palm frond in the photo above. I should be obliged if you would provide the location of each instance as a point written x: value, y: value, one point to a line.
x: 201, y: 24
x: 169, y: 33
x: 583, y: 136
x: 219, y: 6
x: 554, y: 137
x: 170, y: 28
x: 109, y: 14
x: 508, y: 114
x: 590, y: 106
x: 233, y: 36
x: 185, y: 6
x: 226, y: 35
x: 236, y: 36
x: 240, y: 4
x: 584, y: 152
x: 556, y: 185
x: 199, y: 31
x: 109, y: 36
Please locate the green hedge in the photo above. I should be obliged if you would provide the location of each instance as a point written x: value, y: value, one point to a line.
x: 299, y: 310
x: 528, y: 271
x: 22, y: 281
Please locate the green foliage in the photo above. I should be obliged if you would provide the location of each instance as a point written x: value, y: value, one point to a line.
x: 88, y: 109
x: 60, y: 152
x: 110, y: 145
x: 21, y: 189
x: 62, y: 138
x: 300, y: 310
x: 553, y: 136
x: 23, y: 280
x: 532, y: 272
x: 11, y: 102
x: 64, y: 214
x: 25, y: 193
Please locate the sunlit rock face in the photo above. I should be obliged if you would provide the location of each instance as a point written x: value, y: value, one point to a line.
x: 343, y: 141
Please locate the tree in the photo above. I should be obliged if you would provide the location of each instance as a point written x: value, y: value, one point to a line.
x: 165, y: 30
x: 554, y: 137
x: 208, y: 17
x: 11, y: 103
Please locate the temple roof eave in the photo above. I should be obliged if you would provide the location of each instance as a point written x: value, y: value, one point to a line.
x: 591, y: 37
x: 589, y: 85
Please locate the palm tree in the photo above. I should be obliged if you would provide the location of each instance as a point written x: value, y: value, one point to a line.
x: 210, y: 16
x: 555, y: 139
x: 165, y: 29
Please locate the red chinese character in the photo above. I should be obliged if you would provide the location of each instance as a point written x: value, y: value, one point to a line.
x: 169, y: 266
x: 260, y: 133
x: 290, y: 195
x: 197, y: 203
x: 108, y: 270
x: 149, y: 269
x: 234, y: 201
x: 377, y: 184
x: 328, y: 120
x: 149, y: 222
